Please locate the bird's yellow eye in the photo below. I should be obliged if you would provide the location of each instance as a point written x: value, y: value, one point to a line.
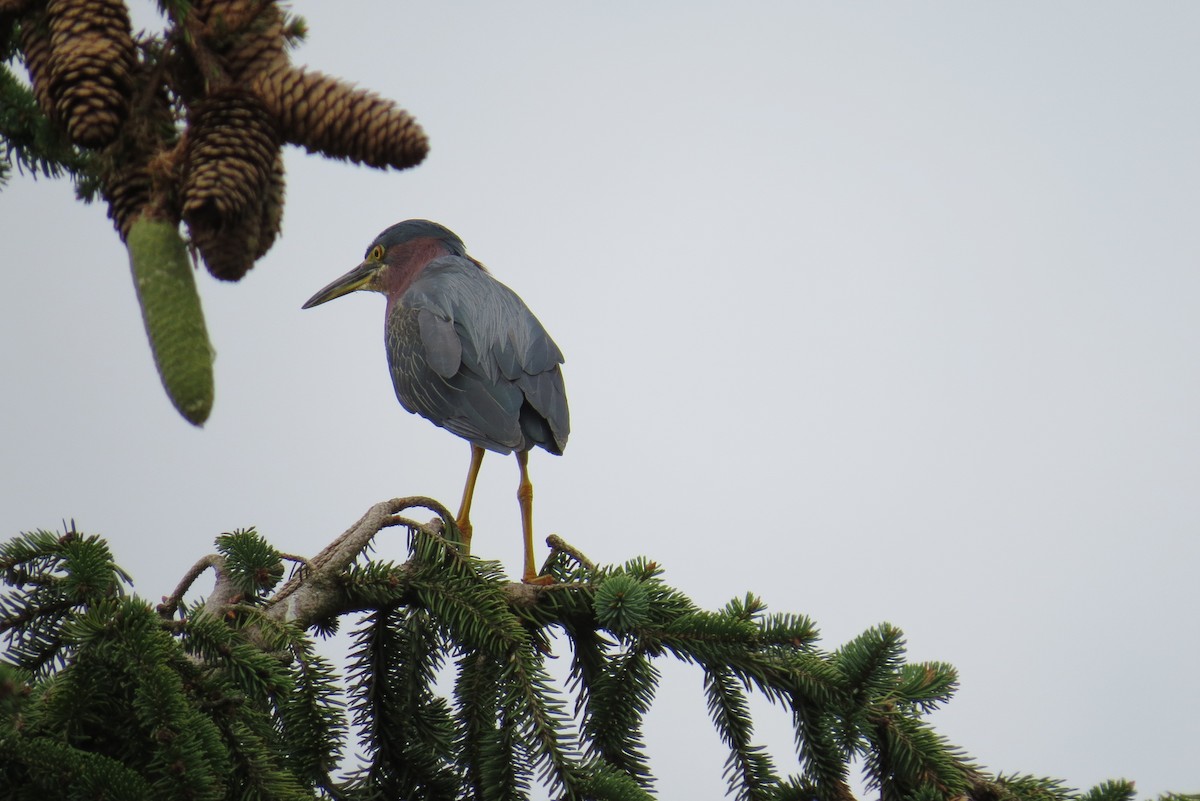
x: 376, y: 253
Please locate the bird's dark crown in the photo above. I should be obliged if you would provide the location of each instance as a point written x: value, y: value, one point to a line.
x: 411, y: 230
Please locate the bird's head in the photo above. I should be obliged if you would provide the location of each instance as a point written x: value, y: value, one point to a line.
x: 394, y: 259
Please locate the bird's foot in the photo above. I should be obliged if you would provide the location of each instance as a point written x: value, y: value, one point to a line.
x: 465, y: 529
x: 538, y: 581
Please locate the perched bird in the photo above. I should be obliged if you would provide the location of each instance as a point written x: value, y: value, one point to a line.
x: 465, y: 352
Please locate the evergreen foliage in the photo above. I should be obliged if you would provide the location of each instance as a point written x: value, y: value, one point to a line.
x: 29, y: 141
x: 446, y: 695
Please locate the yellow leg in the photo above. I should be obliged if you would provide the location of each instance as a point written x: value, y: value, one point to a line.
x: 464, y: 509
x: 525, y: 498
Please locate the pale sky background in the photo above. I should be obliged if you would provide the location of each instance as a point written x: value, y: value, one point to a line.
x: 884, y: 312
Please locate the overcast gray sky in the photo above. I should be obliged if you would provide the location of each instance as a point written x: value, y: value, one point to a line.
x: 884, y: 312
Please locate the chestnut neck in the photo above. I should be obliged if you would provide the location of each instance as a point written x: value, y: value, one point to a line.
x: 406, y: 262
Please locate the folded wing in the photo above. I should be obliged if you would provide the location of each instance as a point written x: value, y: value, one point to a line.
x: 469, y: 355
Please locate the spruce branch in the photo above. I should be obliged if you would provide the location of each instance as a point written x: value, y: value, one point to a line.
x: 907, y: 756
x: 925, y: 686
x: 53, y: 578
x: 226, y: 697
x: 615, y: 698
x: 407, y: 730
x: 486, y: 760
x: 748, y: 770
x: 28, y: 140
x: 1113, y: 790
x: 313, y: 724
x: 39, y: 767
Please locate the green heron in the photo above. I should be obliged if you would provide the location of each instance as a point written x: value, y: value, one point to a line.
x: 465, y: 353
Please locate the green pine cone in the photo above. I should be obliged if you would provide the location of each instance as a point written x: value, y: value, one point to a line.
x: 171, y: 311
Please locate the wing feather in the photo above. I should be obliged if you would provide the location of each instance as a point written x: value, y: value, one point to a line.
x: 443, y: 349
x: 469, y: 355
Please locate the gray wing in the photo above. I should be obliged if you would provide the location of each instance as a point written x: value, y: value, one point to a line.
x: 469, y: 355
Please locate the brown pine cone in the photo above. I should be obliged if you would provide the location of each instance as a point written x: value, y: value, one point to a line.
x: 247, y: 35
x: 35, y: 45
x: 228, y: 250
x: 232, y: 145
x: 232, y: 247
x: 228, y: 181
x: 127, y: 193
x: 91, y: 60
x: 327, y: 115
x: 272, y: 208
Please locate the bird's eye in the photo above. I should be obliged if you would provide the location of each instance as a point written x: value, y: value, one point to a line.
x: 376, y: 253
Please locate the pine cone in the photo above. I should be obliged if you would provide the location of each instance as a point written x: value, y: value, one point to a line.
x: 228, y: 182
x: 231, y: 249
x: 228, y: 250
x: 127, y: 192
x: 91, y: 59
x: 260, y: 48
x: 225, y: 18
x: 35, y: 44
x: 247, y: 35
x: 272, y: 208
x: 327, y: 115
x: 231, y: 154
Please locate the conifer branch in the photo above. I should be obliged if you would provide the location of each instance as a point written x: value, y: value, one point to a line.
x: 748, y: 768
x: 615, y: 692
x: 227, y: 697
x: 486, y: 760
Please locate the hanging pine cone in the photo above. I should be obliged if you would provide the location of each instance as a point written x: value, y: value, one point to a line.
x: 246, y: 35
x: 261, y: 49
x: 35, y: 44
x: 231, y: 153
x: 91, y: 59
x: 127, y: 192
x: 327, y: 115
x: 226, y: 19
x: 231, y: 165
x: 228, y: 251
x: 231, y: 248
x: 272, y: 208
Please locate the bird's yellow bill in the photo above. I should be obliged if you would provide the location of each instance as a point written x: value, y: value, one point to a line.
x: 361, y: 277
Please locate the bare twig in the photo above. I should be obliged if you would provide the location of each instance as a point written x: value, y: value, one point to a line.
x: 300, y: 560
x: 171, y: 603
x: 558, y: 544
